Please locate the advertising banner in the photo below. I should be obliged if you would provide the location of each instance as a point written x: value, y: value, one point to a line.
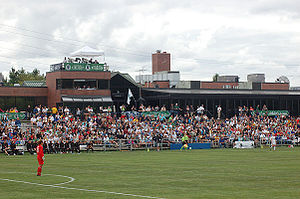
x: 83, y: 67
x: 10, y: 116
x: 156, y: 113
x: 271, y: 112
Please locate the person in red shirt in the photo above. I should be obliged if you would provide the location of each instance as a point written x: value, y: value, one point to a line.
x: 40, y: 157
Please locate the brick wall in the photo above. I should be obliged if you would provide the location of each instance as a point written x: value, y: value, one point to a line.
x: 275, y: 86
x: 161, y: 62
x: 23, y: 91
x: 79, y: 75
x: 219, y: 85
x: 161, y: 84
x: 54, y: 96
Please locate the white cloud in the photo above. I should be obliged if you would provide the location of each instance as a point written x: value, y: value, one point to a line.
x: 204, y: 37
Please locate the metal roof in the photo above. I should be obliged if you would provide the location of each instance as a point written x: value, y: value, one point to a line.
x: 126, y: 76
x: 84, y: 98
x: 223, y: 91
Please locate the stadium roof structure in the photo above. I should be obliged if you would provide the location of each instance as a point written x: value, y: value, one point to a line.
x: 87, y: 52
x: 126, y: 76
x: 85, y: 98
x: 34, y: 83
x: 224, y: 91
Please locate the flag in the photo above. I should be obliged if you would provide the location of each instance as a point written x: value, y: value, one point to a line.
x: 129, y: 96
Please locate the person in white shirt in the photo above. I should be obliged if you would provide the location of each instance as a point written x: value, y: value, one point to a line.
x: 273, y: 142
x: 202, y: 109
x: 33, y: 120
x: 39, y: 123
x: 219, y: 109
x: 67, y: 111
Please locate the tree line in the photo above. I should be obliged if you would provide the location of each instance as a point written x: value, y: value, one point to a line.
x: 20, y: 75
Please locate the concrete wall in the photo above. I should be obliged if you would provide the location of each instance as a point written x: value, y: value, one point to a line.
x: 184, y: 84
x: 245, y: 85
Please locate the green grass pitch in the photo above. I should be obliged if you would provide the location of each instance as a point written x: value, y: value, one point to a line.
x: 215, y: 173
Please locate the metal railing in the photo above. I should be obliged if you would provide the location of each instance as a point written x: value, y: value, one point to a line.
x: 128, y: 145
x: 137, y: 144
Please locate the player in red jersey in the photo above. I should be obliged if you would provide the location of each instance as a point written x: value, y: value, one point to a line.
x: 40, y: 157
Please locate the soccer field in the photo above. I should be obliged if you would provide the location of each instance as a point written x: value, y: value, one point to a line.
x: 217, y: 173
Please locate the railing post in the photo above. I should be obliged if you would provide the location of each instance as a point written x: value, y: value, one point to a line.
x: 130, y: 144
x: 259, y: 141
x: 120, y: 147
x: 147, y: 147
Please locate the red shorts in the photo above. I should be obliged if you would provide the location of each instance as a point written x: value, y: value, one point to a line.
x: 40, y: 160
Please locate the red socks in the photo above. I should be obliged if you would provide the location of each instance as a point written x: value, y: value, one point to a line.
x: 39, y: 171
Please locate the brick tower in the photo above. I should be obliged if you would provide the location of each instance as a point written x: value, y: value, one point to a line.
x: 161, y: 61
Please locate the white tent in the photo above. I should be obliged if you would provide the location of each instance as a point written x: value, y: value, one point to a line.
x: 87, y: 52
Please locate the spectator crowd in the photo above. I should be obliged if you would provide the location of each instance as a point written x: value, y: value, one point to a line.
x: 64, y: 130
x: 80, y: 60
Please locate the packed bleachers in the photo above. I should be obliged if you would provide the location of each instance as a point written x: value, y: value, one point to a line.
x: 65, y: 130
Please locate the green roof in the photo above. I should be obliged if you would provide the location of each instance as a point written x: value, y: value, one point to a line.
x: 34, y: 83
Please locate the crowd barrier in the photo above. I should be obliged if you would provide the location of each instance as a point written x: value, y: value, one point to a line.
x: 164, y: 144
x: 128, y: 145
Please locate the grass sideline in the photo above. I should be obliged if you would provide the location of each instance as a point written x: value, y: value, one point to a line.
x: 214, y: 173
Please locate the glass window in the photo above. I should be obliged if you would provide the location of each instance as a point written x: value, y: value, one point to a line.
x: 58, y: 84
x: 67, y: 84
x: 88, y: 84
x: 103, y: 84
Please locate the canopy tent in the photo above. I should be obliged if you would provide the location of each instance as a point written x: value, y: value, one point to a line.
x: 87, y: 52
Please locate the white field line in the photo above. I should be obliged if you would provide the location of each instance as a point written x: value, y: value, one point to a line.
x: 71, y: 179
x: 78, y: 189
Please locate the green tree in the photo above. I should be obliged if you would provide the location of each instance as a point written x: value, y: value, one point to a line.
x: 35, y: 72
x: 19, y: 76
x: 215, y: 77
x: 13, y: 77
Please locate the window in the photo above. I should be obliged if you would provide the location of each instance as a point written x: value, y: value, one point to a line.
x: 64, y: 84
x: 226, y: 86
x: 58, y: 84
x: 103, y: 84
x: 88, y: 84
x: 67, y: 84
x: 82, y: 84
